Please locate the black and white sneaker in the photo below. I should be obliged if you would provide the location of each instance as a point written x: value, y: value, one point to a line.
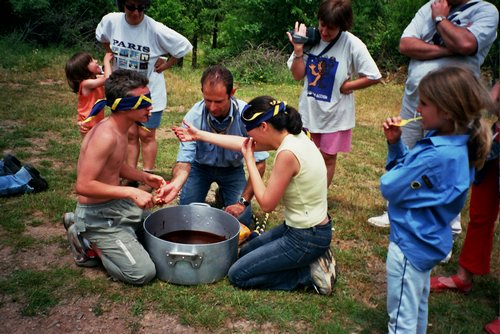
x: 324, y: 273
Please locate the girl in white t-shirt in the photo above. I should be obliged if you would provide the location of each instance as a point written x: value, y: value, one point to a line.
x: 333, y: 68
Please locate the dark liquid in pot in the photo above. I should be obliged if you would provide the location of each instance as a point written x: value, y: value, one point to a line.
x: 192, y: 237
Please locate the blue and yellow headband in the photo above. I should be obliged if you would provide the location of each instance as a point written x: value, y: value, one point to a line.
x: 259, y: 117
x: 122, y: 103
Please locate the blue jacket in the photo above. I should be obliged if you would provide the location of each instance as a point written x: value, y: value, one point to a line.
x: 426, y: 188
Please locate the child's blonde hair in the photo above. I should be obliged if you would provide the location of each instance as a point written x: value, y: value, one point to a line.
x: 457, y: 92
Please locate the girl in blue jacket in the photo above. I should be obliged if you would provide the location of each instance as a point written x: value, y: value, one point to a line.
x: 427, y: 187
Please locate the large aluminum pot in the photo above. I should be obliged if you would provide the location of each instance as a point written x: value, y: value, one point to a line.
x: 190, y: 264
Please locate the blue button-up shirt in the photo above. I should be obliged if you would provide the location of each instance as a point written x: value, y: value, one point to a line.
x: 209, y: 154
x: 426, y: 188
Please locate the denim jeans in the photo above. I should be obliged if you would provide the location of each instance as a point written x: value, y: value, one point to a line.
x: 279, y: 259
x: 12, y: 184
x: 407, y: 294
x: 231, y: 182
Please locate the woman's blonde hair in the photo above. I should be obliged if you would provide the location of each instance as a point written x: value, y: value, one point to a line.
x: 457, y: 92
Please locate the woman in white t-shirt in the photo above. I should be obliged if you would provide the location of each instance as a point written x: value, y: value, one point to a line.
x: 296, y: 253
x: 138, y: 43
x: 335, y: 66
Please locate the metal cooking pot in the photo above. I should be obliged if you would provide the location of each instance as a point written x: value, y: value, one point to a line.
x: 190, y: 264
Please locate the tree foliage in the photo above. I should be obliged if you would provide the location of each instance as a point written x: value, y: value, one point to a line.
x: 54, y: 21
x: 218, y: 29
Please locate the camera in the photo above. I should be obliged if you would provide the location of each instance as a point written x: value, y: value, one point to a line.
x: 312, y: 37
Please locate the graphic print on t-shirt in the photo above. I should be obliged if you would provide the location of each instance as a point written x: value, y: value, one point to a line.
x: 320, y: 74
x: 128, y: 59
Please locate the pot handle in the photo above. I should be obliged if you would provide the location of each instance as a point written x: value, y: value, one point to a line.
x: 199, y: 204
x: 194, y: 259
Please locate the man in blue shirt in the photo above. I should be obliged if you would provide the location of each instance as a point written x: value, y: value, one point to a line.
x: 199, y: 164
x: 452, y: 32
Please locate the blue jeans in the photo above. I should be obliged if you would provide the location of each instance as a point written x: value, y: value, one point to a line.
x: 279, y: 259
x: 13, y: 184
x: 407, y: 294
x: 231, y: 182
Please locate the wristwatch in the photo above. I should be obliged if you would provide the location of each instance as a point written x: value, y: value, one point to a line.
x: 438, y: 19
x: 243, y: 202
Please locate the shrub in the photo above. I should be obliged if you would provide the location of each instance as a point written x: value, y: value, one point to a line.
x: 262, y: 63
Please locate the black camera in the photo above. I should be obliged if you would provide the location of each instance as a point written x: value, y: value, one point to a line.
x: 312, y: 37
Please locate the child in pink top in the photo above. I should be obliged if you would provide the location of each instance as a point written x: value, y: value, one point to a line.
x: 86, y: 78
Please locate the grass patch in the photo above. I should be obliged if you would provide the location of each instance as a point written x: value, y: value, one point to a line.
x: 38, y: 125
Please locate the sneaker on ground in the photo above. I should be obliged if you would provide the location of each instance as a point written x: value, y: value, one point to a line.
x: 11, y: 164
x: 37, y: 182
x: 380, y: 221
x: 82, y: 251
x: 324, y: 273
x: 68, y: 219
x: 447, y: 258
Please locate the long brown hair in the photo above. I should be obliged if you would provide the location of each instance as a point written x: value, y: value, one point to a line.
x: 456, y: 91
x: 77, y: 69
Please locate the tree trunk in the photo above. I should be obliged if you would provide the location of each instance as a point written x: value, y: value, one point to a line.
x: 194, y: 59
x: 214, y: 37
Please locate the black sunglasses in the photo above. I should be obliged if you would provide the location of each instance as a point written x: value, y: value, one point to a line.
x: 139, y: 8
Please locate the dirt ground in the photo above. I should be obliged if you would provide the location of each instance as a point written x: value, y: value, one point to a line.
x: 76, y: 315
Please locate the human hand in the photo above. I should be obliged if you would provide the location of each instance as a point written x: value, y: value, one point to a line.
x: 161, y: 65
x: 141, y: 198
x: 235, y: 210
x: 108, y: 57
x: 186, y: 133
x: 299, y: 30
x: 391, y: 129
x: 248, y: 149
x: 440, y: 8
x: 152, y: 180
x: 166, y: 194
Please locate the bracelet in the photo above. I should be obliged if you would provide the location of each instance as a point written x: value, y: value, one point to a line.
x: 295, y: 56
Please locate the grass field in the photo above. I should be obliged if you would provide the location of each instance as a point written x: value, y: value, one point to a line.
x: 38, y: 280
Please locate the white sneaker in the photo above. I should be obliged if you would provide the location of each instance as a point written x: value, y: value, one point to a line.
x: 380, y: 221
x: 324, y: 273
x: 447, y: 258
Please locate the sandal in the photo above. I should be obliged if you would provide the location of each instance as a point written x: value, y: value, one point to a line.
x: 493, y: 327
x: 438, y: 286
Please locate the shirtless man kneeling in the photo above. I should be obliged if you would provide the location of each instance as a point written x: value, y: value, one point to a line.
x: 107, y: 222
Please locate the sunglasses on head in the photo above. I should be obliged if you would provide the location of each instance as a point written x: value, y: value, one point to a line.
x: 139, y: 8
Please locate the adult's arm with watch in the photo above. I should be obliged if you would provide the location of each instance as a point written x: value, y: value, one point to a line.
x: 237, y: 209
x: 459, y: 40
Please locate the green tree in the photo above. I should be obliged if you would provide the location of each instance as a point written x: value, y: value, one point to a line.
x: 196, y: 19
x: 55, y: 21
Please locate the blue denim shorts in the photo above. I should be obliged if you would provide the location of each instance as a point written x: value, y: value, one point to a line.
x: 154, y: 120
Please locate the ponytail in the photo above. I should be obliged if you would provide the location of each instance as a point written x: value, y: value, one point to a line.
x: 479, y: 143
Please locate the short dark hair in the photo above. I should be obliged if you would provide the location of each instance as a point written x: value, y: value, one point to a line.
x: 215, y: 74
x: 121, y: 4
x: 121, y: 82
x: 336, y: 13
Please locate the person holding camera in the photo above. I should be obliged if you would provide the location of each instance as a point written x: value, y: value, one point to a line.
x: 334, y: 66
